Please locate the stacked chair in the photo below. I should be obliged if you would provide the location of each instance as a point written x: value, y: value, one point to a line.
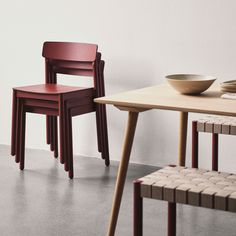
x: 55, y: 100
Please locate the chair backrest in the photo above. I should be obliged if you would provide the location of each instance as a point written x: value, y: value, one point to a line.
x: 67, y: 51
x: 69, y: 58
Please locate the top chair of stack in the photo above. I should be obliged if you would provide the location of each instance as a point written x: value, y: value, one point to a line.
x: 53, y: 99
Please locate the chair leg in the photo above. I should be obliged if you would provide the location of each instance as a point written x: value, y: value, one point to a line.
x: 51, y: 79
x: 14, y: 120
x: 98, y: 122
x: 55, y: 136
x: 105, y: 151
x: 105, y: 145
x: 99, y: 116
x: 65, y: 137
x: 171, y: 219
x: 22, y: 147
x: 138, y: 210
x: 215, y: 146
x: 61, y: 125
x: 54, y: 133
x: 48, y: 140
x: 63, y: 134
x: 70, y: 145
x: 194, y: 145
x: 52, y: 130
x: 98, y: 109
x: 18, y: 130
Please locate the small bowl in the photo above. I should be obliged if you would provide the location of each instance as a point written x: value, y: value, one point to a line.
x: 190, y: 83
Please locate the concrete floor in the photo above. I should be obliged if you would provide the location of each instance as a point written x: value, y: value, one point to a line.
x: 41, y: 200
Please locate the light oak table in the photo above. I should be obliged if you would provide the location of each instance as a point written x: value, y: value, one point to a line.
x: 166, y: 98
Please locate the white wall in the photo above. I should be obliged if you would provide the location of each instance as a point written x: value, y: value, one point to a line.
x: 141, y: 42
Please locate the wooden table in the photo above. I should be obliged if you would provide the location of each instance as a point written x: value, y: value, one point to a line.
x: 166, y: 98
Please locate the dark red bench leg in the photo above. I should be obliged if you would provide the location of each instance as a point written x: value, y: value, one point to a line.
x: 171, y: 219
x: 138, y: 210
x: 194, y: 145
x: 215, y: 142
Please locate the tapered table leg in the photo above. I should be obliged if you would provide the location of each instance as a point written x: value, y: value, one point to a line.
x: 127, y: 146
x: 183, y: 137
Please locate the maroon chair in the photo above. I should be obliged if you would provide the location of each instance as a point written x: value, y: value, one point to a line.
x: 52, y: 100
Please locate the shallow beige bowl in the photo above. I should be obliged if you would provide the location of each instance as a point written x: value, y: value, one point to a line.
x: 190, y: 83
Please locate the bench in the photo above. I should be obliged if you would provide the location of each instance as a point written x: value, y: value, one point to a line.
x: 215, y: 125
x: 190, y: 186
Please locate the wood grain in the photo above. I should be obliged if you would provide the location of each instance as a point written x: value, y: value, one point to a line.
x: 166, y: 98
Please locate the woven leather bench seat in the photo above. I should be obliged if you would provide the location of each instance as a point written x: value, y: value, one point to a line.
x: 210, y: 189
x: 217, y: 124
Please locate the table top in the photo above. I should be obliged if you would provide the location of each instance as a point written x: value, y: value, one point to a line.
x: 165, y: 97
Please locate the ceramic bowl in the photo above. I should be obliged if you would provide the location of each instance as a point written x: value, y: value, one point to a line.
x: 190, y: 83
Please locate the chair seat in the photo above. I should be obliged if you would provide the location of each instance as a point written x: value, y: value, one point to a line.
x: 210, y: 189
x: 49, y: 89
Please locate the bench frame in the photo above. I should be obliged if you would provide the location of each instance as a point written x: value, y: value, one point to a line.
x: 182, y: 185
x: 138, y: 213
